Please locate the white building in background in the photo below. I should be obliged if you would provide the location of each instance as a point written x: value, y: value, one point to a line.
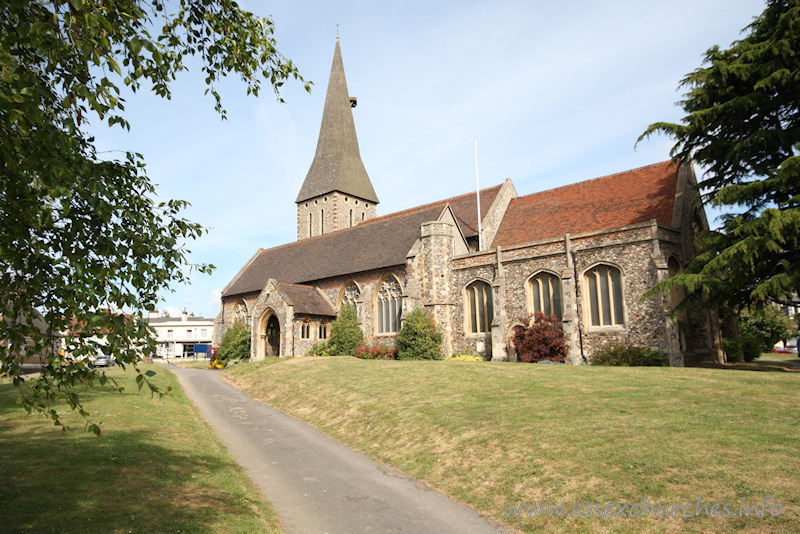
x: 186, y: 336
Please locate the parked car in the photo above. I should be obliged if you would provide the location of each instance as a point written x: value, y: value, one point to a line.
x: 103, y: 360
x: 784, y: 350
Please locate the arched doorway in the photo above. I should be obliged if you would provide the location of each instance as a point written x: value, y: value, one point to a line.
x: 268, y: 338
x: 273, y: 340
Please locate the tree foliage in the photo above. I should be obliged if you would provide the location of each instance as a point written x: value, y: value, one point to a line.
x: 235, y: 344
x: 542, y: 339
x: 742, y: 126
x: 761, y: 329
x: 83, y: 237
x: 346, y: 334
x: 419, y: 339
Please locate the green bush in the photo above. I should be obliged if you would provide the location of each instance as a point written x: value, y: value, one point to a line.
x: 346, y: 334
x: 319, y: 349
x: 419, y: 339
x: 733, y: 349
x: 761, y: 329
x: 235, y: 345
x: 628, y: 355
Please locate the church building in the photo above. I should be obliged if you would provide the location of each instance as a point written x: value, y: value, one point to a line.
x: 585, y: 252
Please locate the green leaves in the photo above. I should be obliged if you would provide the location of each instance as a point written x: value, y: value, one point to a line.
x: 83, y: 238
x: 743, y: 128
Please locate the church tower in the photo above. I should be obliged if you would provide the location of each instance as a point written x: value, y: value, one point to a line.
x: 337, y: 192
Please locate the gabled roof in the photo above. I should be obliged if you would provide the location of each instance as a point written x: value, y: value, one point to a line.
x: 629, y: 197
x: 337, y: 164
x: 306, y: 299
x: 374, y: 244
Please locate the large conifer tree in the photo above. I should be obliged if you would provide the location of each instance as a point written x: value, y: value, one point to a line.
x: 743, y: 129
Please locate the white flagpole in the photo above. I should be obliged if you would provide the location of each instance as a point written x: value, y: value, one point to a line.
x: 478, y: 196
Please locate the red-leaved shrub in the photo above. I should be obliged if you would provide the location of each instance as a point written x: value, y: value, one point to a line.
x: 376, y: 352
x: 542, y: 339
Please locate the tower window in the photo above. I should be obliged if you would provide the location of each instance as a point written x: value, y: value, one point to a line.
x: 322, y: 222
x: 351, y: 217
x: 310, y: 223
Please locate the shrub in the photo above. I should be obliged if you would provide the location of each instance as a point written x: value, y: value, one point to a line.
x: 419, y: 339
x: 628, y: 355
x: 319, y: 349
x: 346, y: 333
x: 235, y: 345
x: 733, y: 349
x: 761, y: 329
x: 465, y: 358
x: 542, y: 339
x: 376, y: 352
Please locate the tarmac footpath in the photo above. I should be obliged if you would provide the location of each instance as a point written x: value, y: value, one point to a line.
x: 316, y: 484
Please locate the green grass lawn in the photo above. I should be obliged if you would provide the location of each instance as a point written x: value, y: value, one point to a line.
x: 492, y: 434
x: 157, y: 467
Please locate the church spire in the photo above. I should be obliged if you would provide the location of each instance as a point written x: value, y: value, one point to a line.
x: 337, y: 164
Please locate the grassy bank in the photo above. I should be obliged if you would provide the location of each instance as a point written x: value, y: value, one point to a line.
x: 495, y: 434
x: 157, y: 467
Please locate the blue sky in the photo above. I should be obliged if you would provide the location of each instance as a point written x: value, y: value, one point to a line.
x: 555, y: 92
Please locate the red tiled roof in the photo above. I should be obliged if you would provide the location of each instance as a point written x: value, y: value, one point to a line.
x: 629, y: 197
x: 377, y: 243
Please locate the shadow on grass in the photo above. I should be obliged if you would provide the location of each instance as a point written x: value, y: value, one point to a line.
x: 122, y: 481
x: 755, y: 365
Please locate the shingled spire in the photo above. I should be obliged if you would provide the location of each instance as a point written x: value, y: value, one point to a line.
x: 337, y: 180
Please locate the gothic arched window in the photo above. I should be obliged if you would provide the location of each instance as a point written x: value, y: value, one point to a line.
x: 544, y: 294
x: 240, y: 313
x: 388, y: 304
x: 323, y: 330
x: 305, y: 330
x: 479, y: 308
x: 604, y: 295
x: 351, y: 295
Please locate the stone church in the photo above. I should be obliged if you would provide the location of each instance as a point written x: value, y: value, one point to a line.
x: 586, y: 252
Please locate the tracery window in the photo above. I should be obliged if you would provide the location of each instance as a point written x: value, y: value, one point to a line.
x: 388, y: 305
x: 240, y: 313
x: 544, y: 294
x: 351, y: 295
x: 604, y: 295
x: 479, y: 307
x: 305, y: 330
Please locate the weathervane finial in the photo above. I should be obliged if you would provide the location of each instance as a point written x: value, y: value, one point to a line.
x: 337, y: 31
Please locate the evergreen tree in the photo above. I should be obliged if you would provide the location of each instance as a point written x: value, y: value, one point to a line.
x: 743, y: 129
x: 235, y: 344
x: 419, y: 339
x: 82, y: 234
x: 346, y: 334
